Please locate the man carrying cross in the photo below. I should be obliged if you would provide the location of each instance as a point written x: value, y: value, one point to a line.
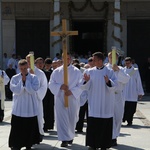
x: 65, y: 84
x: 66, y: 117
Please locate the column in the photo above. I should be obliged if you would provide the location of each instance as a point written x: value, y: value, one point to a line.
x: 57, y: 46
x: 117, y: 30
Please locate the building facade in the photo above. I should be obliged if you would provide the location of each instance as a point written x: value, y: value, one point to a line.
x: 26, y: 26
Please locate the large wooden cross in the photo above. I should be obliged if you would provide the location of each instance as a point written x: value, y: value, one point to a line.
x: 64, y: 34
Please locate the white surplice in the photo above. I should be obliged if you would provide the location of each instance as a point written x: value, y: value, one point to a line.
x: 40, y: 95
x: 12, y: 62
x: 134, y: 87
x: 119, y: 101
x: 5, y: 79
x: 25, y: 103
x: 100, y: 96
x: 66, y: 118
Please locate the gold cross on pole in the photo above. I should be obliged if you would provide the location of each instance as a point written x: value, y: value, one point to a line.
x: 64, y: 34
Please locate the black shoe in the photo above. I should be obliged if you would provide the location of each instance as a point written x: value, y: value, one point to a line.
x: 45, y: 130
x: 70, y: 142
x: 103, y: 148
x: 64, y: 144
x: 129, y: 124
x: 114, y: 142
x: 41, y: 137
x: 29, y: 147
x: 1, y: 119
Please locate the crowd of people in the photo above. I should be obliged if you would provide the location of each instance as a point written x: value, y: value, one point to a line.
x: 102, y: 92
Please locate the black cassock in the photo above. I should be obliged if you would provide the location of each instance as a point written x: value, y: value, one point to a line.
x: 147, y: 76
x: 48, y: 105
x: 10, y: 73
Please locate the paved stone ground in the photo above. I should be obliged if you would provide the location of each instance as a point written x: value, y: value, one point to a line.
x: 136, y: 137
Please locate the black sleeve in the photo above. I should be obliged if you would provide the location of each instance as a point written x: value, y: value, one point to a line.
x: 84, y: 82
x: 24, y: 83
x: 109, y: 84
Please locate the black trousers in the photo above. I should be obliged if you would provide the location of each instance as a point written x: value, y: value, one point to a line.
x: 147, y: 84
x: 24, y: 132
x: 99, y: 132
x: 8, y: 91
x: 129, y: 110
x: 82, y: 112
x: 1, y: 113
x: 48, y: 109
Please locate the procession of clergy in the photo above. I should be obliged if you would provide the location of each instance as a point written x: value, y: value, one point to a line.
x: 109, y: 93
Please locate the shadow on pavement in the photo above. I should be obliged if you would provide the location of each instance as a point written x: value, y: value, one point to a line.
x: 50, y: 137
x: 44, y: 146
x: 136, y: 127
x: 41, y: 146
x: 123, y: 135
x: 139, y: 118
x: 4, y: 123
x: 126, y: 147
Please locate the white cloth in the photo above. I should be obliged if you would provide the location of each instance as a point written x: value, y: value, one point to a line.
x: 100, y: 96
x: 40, y: 95
x: 83, y: 97
x: 106, y: 60
x: 83, y: 60
x: 123, y: 62
x: 119, y: 101
x: 134, y: 87
x: 3, y: 81
x: 6, y: 78
x: 135, y: 65
x: 55, y: 59
x: 17, y: 67
x: 66, y: 118
x: 5, y: 62
x: 82, y: 69
x: 13, y: 62
x: 24, y: 97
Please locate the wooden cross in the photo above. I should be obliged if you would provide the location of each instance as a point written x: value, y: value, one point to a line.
x: 64, y: 34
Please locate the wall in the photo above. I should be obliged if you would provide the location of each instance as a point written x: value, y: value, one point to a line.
x: 9, y: 36
x: 40, y: 10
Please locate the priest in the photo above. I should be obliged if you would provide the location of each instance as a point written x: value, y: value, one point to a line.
x: 66, y: 117
x: 100, y: 83
x: 122, y: 78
